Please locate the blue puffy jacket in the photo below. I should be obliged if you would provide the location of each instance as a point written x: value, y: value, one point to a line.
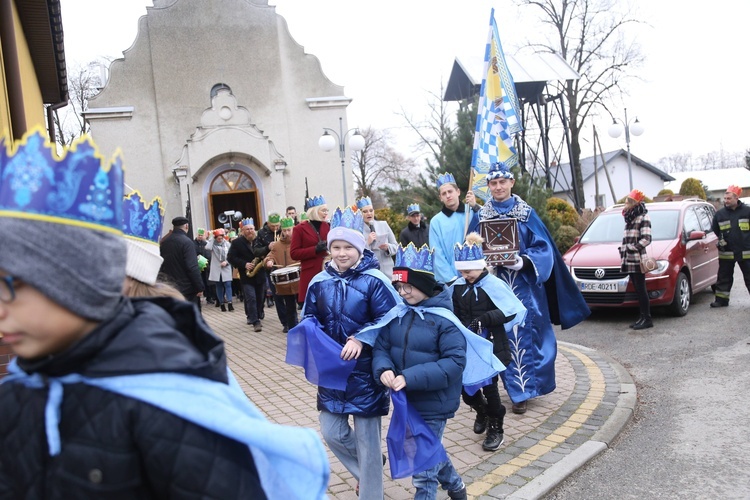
x: 430, y: 353
x: 343, y: 306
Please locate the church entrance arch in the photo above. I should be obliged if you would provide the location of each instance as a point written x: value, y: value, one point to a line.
x: 233, y: 190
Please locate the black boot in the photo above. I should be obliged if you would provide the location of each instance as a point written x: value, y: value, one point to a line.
x: 639, y: 320
x: 495, y: 434
x: 480, y: 423
x: 646, y: 323
x: 223, y: 308
x: 218, y: 303
x: 458, y: 494
x: 230, y: 306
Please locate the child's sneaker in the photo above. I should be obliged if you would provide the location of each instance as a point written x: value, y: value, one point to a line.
x: 458, y: 494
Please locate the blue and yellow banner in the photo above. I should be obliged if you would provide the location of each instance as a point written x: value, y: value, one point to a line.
x: 498, y: 115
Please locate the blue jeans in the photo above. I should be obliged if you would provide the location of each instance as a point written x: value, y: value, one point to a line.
x: 444, y: 473
x: 357, y: 449
x: 223, y: 291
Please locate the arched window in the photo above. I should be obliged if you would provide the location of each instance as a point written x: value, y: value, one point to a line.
x: 219, y: 86
x: 232, y: 180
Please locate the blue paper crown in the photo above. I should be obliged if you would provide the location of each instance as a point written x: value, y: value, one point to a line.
x: 347, y: 218
x: 499, y: 170
x: 417, y: 260
x: 467, y: 251
x: 80, y: 189
x: 445, y: 178
x: 410, y: 209
x: 247, y: 221
x: 364, y: 202
x: 141, y: 220
x: 316, y: 201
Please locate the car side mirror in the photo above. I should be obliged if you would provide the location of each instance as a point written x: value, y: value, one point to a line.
x: 697, y: 235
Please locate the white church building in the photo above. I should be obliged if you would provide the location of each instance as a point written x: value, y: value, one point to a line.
x: 216, y: 103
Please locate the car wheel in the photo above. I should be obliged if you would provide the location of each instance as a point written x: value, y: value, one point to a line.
x: 682, y: 293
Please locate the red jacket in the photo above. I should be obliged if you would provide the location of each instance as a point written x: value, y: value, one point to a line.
x: 304, y: 240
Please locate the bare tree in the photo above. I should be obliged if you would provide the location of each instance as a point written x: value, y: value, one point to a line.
x: 84, y: 82
x: 378, y: 164
x: 590, y: 36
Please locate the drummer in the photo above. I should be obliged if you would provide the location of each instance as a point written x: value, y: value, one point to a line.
x: 280, y: 258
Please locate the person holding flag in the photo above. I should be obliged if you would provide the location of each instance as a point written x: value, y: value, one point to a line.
x: 531, y: 372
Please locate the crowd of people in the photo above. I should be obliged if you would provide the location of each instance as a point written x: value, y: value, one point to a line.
x: 99, y: 343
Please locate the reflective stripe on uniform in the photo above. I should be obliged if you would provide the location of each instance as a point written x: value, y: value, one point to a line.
x: 726, y: 255
x: 722, y: 295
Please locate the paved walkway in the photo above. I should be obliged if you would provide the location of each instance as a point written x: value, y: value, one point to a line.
x: 594, y: 399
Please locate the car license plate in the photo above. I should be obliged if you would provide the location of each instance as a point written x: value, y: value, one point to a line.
x: 599, y: 287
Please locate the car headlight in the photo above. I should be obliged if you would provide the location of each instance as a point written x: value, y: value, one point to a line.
x: 661, y: 266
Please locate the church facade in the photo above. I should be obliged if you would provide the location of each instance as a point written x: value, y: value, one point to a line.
x: 215, y: 105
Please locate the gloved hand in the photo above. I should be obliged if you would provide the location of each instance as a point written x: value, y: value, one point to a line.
x: 474, y: 325
x: 321, y: 246
x: 517, y: 265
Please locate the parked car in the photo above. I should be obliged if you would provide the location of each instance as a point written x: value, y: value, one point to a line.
x: 683, y: 245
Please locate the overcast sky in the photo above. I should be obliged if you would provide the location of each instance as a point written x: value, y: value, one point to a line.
x: 389, y: 54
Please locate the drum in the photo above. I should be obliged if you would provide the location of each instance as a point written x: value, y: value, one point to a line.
x: 286, y: 280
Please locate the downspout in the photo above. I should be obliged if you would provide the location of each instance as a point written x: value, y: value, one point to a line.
x: 50, y: 119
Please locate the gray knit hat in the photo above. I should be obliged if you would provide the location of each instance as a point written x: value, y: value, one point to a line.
x: 61, y: 221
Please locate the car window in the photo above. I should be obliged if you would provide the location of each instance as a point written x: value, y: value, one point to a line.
x: 705, y: 217
x: 691, y: 223
x: 608, y: 228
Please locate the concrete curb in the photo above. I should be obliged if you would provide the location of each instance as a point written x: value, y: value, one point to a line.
x: 599, y: 442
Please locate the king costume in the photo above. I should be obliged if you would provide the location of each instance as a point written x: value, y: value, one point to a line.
x: 531, y: 372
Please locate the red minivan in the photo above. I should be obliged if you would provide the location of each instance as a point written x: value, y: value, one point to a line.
x: 682, y: 244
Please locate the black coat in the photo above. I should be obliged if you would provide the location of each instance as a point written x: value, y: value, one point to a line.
x: 470, y: 306
x: 113, y: 446
x: 419, y: 235
x: 240, y: 253
x: 180, y: 264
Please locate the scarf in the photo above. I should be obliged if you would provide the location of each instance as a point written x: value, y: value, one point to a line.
x: 631, y: 214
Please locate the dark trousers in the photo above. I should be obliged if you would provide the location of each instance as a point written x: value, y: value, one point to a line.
x: 725, y: 277
x: 193, y: 297
x: 639, y: 282
x: 287, y: 303
x: 252, y: 292
x: 280, y: 304
x: 208, y: 291
x: 495, y: 407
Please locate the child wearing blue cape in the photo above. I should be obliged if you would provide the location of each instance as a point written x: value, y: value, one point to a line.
x: 112, y: 397
x: 487, y: 306
x: 351, y: 293
x: 423, y: 352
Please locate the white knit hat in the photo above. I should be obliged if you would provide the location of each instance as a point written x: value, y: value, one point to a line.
x: 144, y: 260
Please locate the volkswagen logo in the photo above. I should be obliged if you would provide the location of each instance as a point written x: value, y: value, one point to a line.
x: 599, y: 273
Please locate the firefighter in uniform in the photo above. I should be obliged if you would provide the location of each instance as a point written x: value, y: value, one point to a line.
x: 732, y: 225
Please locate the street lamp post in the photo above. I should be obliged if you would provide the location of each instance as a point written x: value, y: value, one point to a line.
x: 615, y: 131
x: 327, y: 142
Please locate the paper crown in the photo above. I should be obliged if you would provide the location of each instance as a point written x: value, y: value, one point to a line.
x: 80, y: 189
x: 232, y: 235
x: 347, y: 218
x: 468, y: 256
x: 142, y: 221
x: 636, y: 195
x: 316, y: 201
x: 499, y: 170
x: 410, y: 209
x: 364, y: 202
x: 416, y: 259
x: 445, y: 178
x: 735, y: 189
x: 247, y: 221
x: 302, y: 216
x: 201, y: 231
x: 274, y: 218
x: 287, y: 223
x: 219, y: 232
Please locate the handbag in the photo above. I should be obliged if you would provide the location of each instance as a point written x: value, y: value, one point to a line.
x: 648, y: 264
